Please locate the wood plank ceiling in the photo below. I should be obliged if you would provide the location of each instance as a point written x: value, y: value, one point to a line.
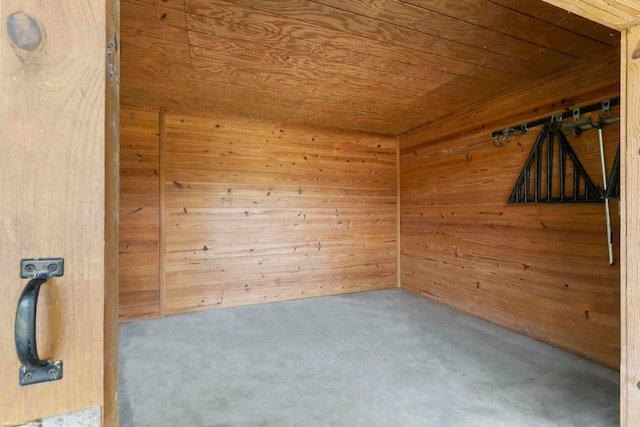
x: 384, y: 66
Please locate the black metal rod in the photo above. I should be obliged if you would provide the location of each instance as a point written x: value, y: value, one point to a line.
x: 576, y: 182
x: 613, y: 186
x: 536, y: 189
x: 586, y: 190
x: 579, y: 171
x: 565, y: 115
x: 527, y: 174
x: 563, y: 159
x: 549, y: 165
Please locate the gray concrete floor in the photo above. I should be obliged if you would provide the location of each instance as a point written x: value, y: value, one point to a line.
x: 383, y: 358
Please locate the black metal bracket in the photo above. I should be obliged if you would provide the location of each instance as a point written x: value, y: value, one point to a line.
x: 34, y: 370
x: 535, y: 183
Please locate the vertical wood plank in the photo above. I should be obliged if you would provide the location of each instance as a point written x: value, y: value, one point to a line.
x: 52, y: 197
x: 139, y: 213
x: 623, y: 229
x: 630, y: 176
x: 110, y: 412
x: 162, y: 220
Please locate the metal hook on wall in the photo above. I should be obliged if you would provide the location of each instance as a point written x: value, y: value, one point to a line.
x: 503, y: 138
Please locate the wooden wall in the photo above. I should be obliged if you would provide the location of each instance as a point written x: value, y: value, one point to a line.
x: 541, y: 270
x: 139, y: 213
x: 251, y: 212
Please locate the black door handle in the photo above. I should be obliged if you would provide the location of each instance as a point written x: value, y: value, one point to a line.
x: 34, y: 370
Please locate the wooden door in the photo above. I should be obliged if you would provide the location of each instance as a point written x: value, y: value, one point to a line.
x: 58, y: 75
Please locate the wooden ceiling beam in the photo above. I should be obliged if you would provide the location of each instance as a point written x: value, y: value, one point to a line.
x: 616, y: 14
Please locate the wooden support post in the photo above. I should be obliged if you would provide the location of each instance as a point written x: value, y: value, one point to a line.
x: 58, y: 87
x: 110, y: 411
x: 630, y: 230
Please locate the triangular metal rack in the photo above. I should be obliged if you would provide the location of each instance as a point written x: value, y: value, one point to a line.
x: 535, y: 183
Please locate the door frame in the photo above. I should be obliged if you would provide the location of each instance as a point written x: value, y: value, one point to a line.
x: 110, y: 409
x: 616, y: 14
x: 59, y: 112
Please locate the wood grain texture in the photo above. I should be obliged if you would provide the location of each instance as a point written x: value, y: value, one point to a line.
x: 338, y: 17
x: 162, y: 217
x: 52, y: 198
x: 463, y: 21
x: 586, y: 82
x: 385, y: 67
x: 541, y: 270
x: 630, y: 179
x: 110, y: 409
x: 259, y: 212
x: 139, y: 213
x: 616, y: 14
x: 559, y: 19
x: 624, y: 278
